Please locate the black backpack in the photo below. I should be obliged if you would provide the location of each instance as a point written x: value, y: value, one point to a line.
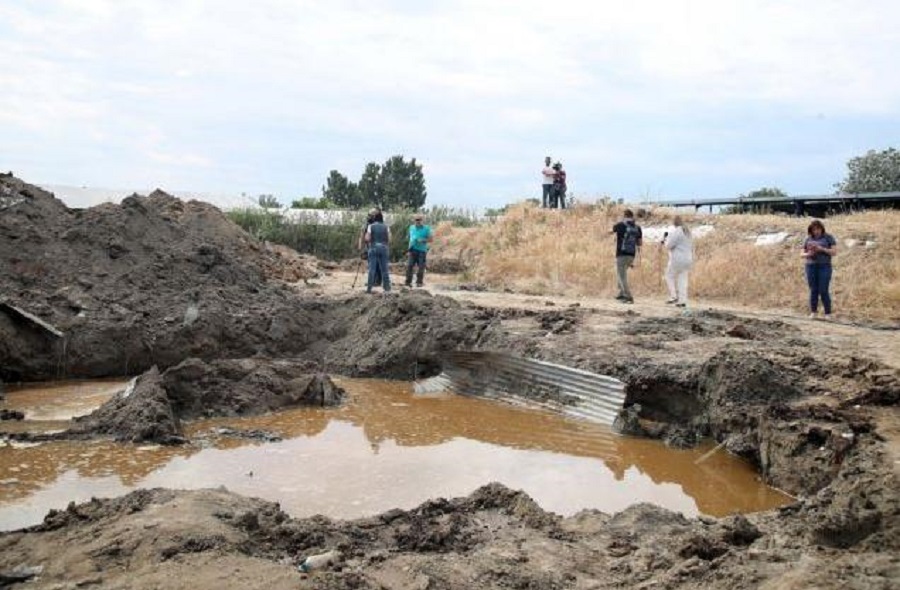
x: 630, y: 239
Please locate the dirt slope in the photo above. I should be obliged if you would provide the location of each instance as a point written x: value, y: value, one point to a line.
x: 155, y: 280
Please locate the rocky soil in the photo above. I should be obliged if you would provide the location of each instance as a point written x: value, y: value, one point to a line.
x: 846, y: 537
x: 175, y: 291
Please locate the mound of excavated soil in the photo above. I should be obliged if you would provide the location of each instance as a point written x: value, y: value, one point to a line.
x: 155, y: 281
x: 153, y: 405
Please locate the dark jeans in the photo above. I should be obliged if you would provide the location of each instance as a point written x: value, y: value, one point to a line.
x: 378, y: 264
x: 557, y: 198
x: 416, y: 258
x: 548, y: 190
x: 818, y: 276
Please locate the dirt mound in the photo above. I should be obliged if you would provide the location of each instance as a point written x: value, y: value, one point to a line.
x: 153, y: 405
x: 141, y: 413
x: 289, y: 265
x: 118, y: 279
x: 399, y: 336
x: 245, y: 387
x: 155, y: 281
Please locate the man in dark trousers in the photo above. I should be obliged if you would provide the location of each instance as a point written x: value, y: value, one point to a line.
x: 548, y: 174
x: 628, y: 243
x: 363, y: 246
x: 558, y: 199
x: 378, y: 238
x: 420, y: 235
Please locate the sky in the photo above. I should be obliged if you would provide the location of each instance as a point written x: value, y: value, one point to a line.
x: 640, y: 100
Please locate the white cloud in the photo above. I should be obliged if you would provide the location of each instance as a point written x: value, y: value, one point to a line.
x: 235, y: 88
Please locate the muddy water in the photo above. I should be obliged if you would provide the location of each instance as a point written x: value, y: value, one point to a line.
x: 385, y: 448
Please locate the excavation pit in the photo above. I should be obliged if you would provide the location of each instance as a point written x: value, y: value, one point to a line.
x: 383, y: 448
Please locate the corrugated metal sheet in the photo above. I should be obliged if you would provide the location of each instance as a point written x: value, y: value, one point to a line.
x: 33, y: 319
x: 573, y: 392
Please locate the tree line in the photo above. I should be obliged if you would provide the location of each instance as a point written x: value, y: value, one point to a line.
x: 873, y: 172
x: 396, y: 184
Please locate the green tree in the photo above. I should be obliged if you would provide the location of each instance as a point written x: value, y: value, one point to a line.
x: 403, y: 184
x: 873, y: 173
x: 268, y: 202
x: 341, y: 192
x: 766, y: 193
x: 312, y: 203
x: 396, y: 184
x: 370, y: 186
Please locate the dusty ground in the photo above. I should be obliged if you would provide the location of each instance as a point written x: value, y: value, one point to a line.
x: 813, y: 405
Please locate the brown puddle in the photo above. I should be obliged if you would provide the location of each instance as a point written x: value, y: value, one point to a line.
x: 385, y: 448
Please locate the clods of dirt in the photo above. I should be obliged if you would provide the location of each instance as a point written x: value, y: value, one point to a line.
x: 153, y: 406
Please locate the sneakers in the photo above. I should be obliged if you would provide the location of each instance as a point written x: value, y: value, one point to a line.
x: 813, y: 316
x: 624, y: 299
x: 671, y: 301
x: 621, y: 297
x: 681, y: 305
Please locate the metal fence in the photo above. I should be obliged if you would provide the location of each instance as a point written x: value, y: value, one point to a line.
x: 569, y: 391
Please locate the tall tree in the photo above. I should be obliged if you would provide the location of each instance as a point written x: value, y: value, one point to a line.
x: 340, y: 191
x: 873, y: 173
x: 370, y: 186
x: 397, y: 184
x: 403, y: 183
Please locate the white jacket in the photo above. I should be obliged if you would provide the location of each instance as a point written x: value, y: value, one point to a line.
x: 680, y: 246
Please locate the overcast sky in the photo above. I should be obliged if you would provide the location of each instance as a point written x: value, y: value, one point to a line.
x: 638, y: 99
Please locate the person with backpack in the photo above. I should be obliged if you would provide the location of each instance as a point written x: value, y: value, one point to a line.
x: 628, y: 244
x: 681, y: 258
x: 419, y: 237
x: 378, y: 239
x: 558, y: 198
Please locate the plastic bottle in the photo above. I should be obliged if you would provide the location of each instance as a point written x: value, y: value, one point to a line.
x: 314, y: 562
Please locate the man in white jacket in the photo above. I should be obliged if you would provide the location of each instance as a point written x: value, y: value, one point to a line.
x: 548, y: 174
x: 681, y: 258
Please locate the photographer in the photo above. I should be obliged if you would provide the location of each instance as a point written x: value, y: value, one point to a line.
x: 378, y: 238
x: 374, y: 214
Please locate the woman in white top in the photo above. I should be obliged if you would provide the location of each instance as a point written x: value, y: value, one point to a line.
x: 681, y: 258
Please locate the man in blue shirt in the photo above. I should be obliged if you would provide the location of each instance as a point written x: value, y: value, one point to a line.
x: 419, y: 238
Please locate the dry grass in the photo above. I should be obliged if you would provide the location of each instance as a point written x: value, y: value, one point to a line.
x: 572, y: 252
